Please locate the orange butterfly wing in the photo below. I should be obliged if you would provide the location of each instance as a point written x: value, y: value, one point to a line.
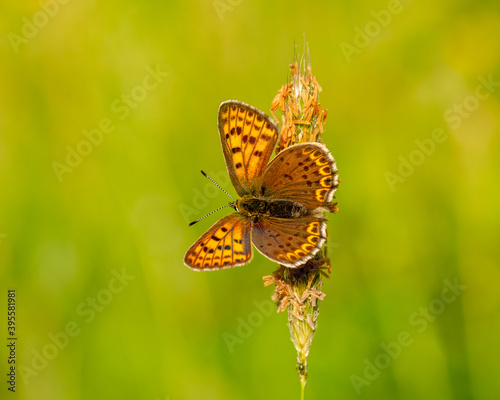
x: 290, y: 242
x: 305, y: 173
x: 226, y: 244
x: 248, y: 137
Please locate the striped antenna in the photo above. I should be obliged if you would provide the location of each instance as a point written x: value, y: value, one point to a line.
x: 220, y: 208
x: 210, y: 213
x: 216, y: 184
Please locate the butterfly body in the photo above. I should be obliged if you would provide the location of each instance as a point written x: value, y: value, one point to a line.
x: 282, y: 201
x: 258, y: 208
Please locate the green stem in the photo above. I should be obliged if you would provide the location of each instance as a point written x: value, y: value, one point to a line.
x: 302, y: 386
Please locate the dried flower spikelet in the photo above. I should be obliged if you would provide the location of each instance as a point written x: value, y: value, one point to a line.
x: 302, y: 118
x: 299, y: 289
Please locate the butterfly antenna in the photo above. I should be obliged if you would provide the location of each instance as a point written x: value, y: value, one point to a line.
x: 216, y: 184
x: 210, y: 213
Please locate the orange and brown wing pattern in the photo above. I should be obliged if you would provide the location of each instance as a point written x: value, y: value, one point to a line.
x: 248, y: 137
x: 226, y: 244
x: 290, y: 242
x: 305, y: 173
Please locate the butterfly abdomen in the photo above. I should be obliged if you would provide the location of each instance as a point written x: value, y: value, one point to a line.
x: 267, y: 207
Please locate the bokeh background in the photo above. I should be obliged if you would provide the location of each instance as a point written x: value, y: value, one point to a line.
x: 68, y: 229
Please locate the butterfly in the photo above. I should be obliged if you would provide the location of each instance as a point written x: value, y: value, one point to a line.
x: 282, y: 202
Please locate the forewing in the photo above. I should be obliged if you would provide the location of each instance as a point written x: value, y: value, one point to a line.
x: 248, y: 137
x: 226, y: 244
x: 290, y: 242
x: 305, y: 173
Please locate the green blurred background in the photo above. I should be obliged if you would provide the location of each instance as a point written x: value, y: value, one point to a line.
x: 161, y: 332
